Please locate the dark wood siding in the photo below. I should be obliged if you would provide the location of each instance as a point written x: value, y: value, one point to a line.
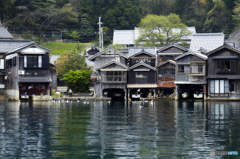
x: 166, y: 72
x: 150, y: 60
x: 148, y: 77
x: 216, y: 62
x: 45, y: 61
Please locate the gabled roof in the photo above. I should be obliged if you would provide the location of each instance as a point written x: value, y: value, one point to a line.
x: 142, y: 52
x: 223, y: 47
x: 10, y: 46
x: 4, y: 34
x: 135, y: 50
x: 110, y: 50
x: 34, y: 49
x: 113, y: 62
x: 170, y: 46
x: 166, y: 62
x: 206, y: 41
x: 198, y: 54
x: 142, y: 64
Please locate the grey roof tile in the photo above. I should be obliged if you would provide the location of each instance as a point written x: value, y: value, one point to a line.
x: 4, y: 34
x: 9, y: 46
x: 206, y: 41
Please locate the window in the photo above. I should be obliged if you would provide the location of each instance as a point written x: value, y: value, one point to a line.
x: 32, y: 61
x: 183, y: 69
x: 2, y: 64
x: 114, y: 76
x: 226, y: 66
x: 197, y: 68
x: 145, y: 60
x: 39, y: 61
x: 231, y: 86
x: 219, y: 86
x: 9, y: 63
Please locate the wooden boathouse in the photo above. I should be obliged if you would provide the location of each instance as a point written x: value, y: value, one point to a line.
x: 224, y: 73
x: 191, y: 75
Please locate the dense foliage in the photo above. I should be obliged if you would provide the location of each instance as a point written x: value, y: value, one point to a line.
x: 78, y: 80
x: 78, y: 18
x: 72, y: 69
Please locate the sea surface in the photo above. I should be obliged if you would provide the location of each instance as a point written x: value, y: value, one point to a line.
x: 115, y: 130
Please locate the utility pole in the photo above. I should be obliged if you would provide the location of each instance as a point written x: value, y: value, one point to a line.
x: 100, y: 34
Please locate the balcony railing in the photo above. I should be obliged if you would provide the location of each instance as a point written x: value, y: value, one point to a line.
x: 114, y: 78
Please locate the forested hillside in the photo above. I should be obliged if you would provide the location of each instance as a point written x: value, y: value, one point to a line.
x: 79, y: 17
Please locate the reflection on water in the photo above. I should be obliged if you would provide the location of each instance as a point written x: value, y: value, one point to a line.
x: 165, y: 129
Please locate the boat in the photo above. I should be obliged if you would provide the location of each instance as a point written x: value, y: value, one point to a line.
x: 117, y: 95
x: 184, y: 95
x: 135, y: 96
x: 198, y: 95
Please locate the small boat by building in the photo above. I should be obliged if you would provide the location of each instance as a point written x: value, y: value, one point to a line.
x: 185, y: 95
x: 198, y: 95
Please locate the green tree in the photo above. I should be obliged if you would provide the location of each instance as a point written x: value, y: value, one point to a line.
x: 86, y: 32
x: 72, y: 61
x: 218, y: 18
x: 78, y: 80
x: 5, y: 9
x: 161, y: 30
x: 236, y: 13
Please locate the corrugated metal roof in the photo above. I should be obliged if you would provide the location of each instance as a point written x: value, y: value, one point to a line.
x: 206, y: 41
x: 128, y: 37
x: 9, y: 46
x: 4, y: 34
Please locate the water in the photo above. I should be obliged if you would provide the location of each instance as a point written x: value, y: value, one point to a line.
x: 190, y: 130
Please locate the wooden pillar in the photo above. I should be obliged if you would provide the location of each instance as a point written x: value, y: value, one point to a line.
x: 128, y: 95
x: 154, y: 93
x: 204, y: 92
x: 176, y: 92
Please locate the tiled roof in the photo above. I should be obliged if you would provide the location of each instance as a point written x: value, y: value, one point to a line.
x: 174, y: 45
x: 107, y: 51
x: 113, y: 62
x: 166, y: 62
x: 4, y: 34
x: 206, y: 41
x: 195, y: 53
x: 237, y: 50
x: 9, y: 46
x: 136, y: 50
x: 142, y: 64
